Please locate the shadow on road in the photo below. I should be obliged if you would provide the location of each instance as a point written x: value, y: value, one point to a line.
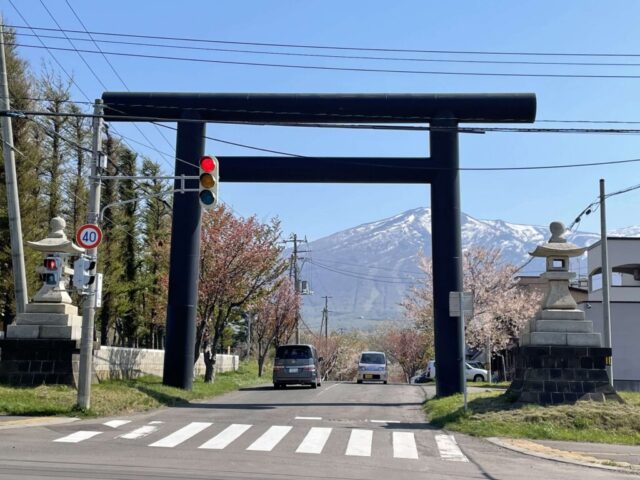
x: 266, y: 406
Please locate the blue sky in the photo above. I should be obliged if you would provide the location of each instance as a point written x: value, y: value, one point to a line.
x: 535, y: 197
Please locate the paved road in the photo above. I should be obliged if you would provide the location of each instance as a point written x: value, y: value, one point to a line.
x: 339, y: 431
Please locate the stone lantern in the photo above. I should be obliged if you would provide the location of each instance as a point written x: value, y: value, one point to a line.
x: 560, y: 358
x: 43, y: 343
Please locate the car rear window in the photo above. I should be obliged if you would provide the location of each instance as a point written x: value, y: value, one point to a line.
x: 373, y: 358
x: 293, y: 353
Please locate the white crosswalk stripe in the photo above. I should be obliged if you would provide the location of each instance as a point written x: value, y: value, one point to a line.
x: 140, y: 432
x: 270, y: 438
x: 404, y: 445
x: 360, y: 443
x: 315, y: 440
x: 182, y: 435
x: 449, y: 450
x: 225, y: 437
x: 78, y: 436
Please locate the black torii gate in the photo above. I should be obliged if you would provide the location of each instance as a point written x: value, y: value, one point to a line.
x: 443, y: 112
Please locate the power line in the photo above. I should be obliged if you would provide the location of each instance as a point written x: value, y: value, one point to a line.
x: 340, y: 69
x: 338, y: 47
x: 360, y: 276
x: 335, y: 56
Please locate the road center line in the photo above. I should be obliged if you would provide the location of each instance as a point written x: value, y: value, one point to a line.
x: 384, y: 421
x: 182, y: 435
x: 449, y: 450
x: 308, y: 418
x: 325, y: 390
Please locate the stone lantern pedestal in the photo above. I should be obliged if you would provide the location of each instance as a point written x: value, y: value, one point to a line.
x: 43, y: 344
x: 560, y: 358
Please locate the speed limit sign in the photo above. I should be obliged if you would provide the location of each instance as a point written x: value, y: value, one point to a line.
x: 89, y: 236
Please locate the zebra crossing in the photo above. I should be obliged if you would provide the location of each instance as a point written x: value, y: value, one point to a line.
x: 403, y: 444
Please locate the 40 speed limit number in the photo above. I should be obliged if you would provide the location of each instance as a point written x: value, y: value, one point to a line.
x: 89, y: 236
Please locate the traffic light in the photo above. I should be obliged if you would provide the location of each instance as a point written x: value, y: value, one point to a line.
x: 209, y: 177
x: 83, y: 274
x: 52, y: 271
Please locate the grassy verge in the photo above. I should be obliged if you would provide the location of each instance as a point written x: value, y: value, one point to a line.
x: 492, y: 414
x: 502, y: 385
x: 120, y: 396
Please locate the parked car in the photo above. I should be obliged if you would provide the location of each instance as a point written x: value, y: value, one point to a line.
x: 296, y: 365
x: 472, y: 373
x: 420, y: 378
x: 372, y: 366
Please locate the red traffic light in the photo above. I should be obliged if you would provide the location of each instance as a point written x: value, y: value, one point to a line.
x: 207, y: 164
x: 50, y: 263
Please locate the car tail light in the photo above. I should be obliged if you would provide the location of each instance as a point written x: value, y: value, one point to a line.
x: 278, y: 367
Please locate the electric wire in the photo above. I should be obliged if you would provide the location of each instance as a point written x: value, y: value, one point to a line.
x: 339, y: 69
x: 339, y: 47
x: 96, y: 41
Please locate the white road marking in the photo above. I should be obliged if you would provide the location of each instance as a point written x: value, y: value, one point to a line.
x: 225, y: 437
x: 325, y: 390
x: 449, y: 450
x: 270, y: 439
x: 116, y: 423
x: 155, y: 422
x: 315, y: 440
x: 404, y: 445
x: 384, y: 421
x: 308, y: 418
x: 182, y: 435
x: 360, y: 443
x: 139, y: 432
x: 78, y: 436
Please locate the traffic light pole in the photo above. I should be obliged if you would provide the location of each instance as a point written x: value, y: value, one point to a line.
x: 89, y: 305
x: 11, y: 180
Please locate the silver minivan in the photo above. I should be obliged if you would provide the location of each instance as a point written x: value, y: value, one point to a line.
x: 372, y: 366
x: 296, y: 365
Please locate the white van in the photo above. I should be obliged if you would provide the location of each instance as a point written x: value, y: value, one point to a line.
x: 372, y: 367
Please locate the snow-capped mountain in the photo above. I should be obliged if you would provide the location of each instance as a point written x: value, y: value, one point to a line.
x: 368, y: 269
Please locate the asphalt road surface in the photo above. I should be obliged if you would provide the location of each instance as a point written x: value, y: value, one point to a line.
x: 338, y: 431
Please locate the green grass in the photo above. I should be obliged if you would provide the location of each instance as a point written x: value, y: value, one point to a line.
x: 503, y: 385
x: 120, y: 396
x: 492, y: 414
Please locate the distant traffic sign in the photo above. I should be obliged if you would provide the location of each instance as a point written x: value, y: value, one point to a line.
x: 89, y: 236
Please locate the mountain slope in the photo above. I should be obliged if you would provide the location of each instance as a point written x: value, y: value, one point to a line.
x: 368, y: 269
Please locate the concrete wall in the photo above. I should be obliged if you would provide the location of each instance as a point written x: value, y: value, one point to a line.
x: 625, y: 337
x: 119, y: 362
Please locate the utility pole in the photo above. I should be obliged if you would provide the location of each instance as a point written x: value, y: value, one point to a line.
x: 88, y: 312
x: 606, y: 275
x: 11, y: 180
x: 294, y: 274
x: 325, y: 318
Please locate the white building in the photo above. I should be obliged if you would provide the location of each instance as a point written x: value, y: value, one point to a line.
x: 624, y: 262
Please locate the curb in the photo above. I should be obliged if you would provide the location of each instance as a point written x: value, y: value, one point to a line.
x: 562, y: 456
x: 35, y: 422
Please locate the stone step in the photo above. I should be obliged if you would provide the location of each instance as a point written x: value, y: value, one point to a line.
x: 561, y: 338
x: 72, y: 333
x: 59, y: 319
x: 557, y: 314
x: 44, y: 331
x: 60, y: 308
x: 566, y: 326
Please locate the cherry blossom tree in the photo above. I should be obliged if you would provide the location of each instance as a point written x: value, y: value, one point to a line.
x: 240, y: 261
x: 409, y: 347
x: 274, y: 318
x: 501, y: 308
